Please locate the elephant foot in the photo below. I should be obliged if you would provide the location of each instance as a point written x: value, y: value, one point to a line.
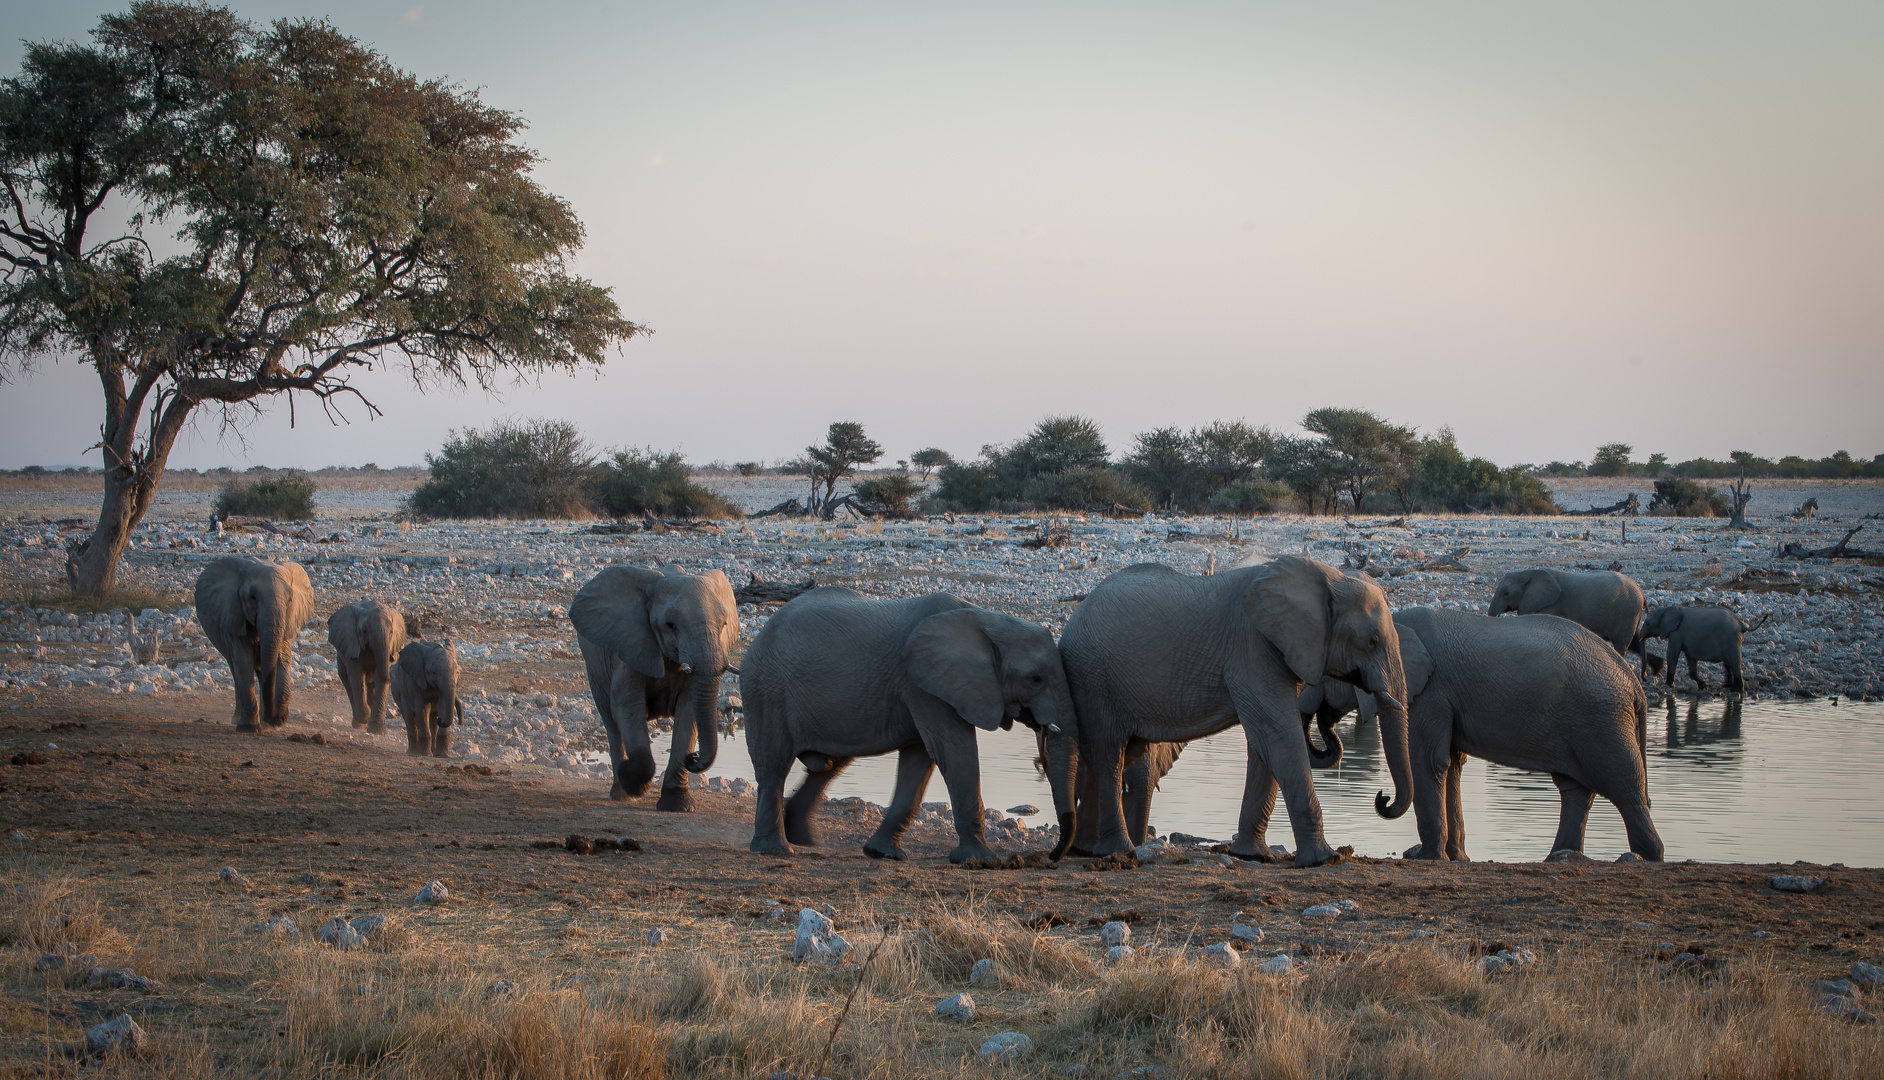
x: 770, y: 846
x: 616, y: 794
x: 1418, y: 851
x: 973, y: 849
x: 1318, y: 854
x: 441, y: 753
x: 800, y: 833
x: 1251, y: 851
x: 889, y: 851
x: 360, y: 724
x: 373, y: 729
x: 418, y: 751
x: 247, y: 728
x: 1111, y: 845
x: 677, y: 800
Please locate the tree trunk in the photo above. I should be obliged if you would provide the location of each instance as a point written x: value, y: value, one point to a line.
x: 131, y: 476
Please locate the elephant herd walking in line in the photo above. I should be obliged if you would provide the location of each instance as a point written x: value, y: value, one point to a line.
x: 1150, y: 660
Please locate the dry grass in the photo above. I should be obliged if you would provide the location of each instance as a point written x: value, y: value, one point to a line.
x: 425, y: 1001
x: 128, y: 598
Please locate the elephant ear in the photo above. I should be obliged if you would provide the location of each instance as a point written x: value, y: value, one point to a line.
x: 1290, y: 602
x: 219, y: 601
x: 1414, y: 660
x: 343, y: 632
x: 721, y: 592
x: 300, y: 594
x: 612, y: 611
x: 951, y: 657
x: 1541, y: 590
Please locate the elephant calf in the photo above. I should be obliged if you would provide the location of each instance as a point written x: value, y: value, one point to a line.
x: 251, y: 610
x: 835, y: 676
x: 425, y: 687
x: 367, y: 637
x: 1714, y: 634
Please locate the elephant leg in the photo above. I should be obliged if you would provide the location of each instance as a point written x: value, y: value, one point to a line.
x: 1732, y: 667
x: 377, y: 680
x: 1429, y: 747
x: 1135, y: 798
x: 1086, y: 833
x: 804, y: 803
x: 959, y: 760
x: 913, y: 766
x: 622, y: 703
x: 770, y: 770
x: 1455, y: 810
x: 1104, y: 780
x: 1673, y: 659
x: 1270, y: 720
x: 242, y: 666
x: 1574, y: 814
x: 351, y: 673
x: 441, y: 732
x: 418, y: 729
x: 1251, y: 841
x: 675, y: 795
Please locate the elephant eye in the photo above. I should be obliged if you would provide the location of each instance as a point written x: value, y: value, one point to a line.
x: 1037, y: 680
x: 671, y: 626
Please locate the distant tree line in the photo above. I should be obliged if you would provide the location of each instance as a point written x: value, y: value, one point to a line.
x: 1616, y: 459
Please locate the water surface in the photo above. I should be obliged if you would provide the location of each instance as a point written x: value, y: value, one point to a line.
x: 1759, y: 781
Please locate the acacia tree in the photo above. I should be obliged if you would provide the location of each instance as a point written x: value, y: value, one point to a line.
x: 845, y: 447
x: 929, y: 459
x: 1368, y: 452
x: 331, y: 213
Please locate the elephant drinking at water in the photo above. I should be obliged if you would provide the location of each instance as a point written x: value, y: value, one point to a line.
x: 655, y: 645
x: 835, y: 676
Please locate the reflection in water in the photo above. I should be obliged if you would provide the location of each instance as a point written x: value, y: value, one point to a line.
x: 1730, y: 782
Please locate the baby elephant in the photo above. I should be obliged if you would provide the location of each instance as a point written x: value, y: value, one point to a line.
x: 1713, y: 634
x: 425, y: 687
x: 366, y: 637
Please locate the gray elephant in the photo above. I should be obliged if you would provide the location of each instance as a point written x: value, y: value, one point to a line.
x: 366, y: 637
x: 835, y: 676
x: 655, y: 645
x: 1153, y: 655
x: 1608, y: 603
x: 1714, y: 634
x: 425, y: 687
x: 251, y: 611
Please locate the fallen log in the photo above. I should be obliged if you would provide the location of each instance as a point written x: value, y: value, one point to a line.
x: 1049, y: 536
x: 1631, y: 506
x: 760, y: 591
x: 788, y: 508
x: 1451, y: 563
x: 1840, y: 550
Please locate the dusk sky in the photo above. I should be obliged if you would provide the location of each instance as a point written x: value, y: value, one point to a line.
x: 1547, y: 226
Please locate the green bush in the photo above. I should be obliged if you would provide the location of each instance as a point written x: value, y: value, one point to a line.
x: 1448, y: 480
x: 1681, y: 497
x: 648, y: 483
x: 515, y: 469
x: 284, y: 496
x: 888, y: 495
x: 1083, y: 487
x: 1252, y: 497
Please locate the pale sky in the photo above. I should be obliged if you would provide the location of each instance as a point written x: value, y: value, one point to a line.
x: 1548, y: 226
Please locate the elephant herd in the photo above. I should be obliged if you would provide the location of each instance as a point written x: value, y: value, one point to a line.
x: 1150, y: 660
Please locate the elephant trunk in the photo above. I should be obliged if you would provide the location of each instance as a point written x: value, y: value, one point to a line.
x: 1390, y: 697
x: 703, y: 694
x: 1329, y: 757
x: 274, y: 657
x: 1060, y: 741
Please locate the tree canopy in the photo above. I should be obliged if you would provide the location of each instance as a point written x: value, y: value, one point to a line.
x: 330, y: 213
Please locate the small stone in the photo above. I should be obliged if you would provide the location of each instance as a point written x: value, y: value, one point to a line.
x: 1279, y: 964
x: 1866, y: 974
x: 504, y: 988
x: 1331, y: 910
x: 1226, y: 862
x: 118, y: 1033
x: 17, y: 835
x: 1796, y: 883
x: 816, y: 941
x: 433, y: 893
x: 1221, y: 953
x: 1517, y: 956
x: 229, y: 875
x: 1492, y: 965
x: 278, y: 927
x: 1115, y: 933
x: 1628, y: 856
x: 1119, y: 954
x: 123, y: 978
x: 956, y: 1007
x: 1152, y: 850
x: 340, y: 934
x: 1246, y: 932
x: 1006, y: 1047
x: 1566, y: 855
x: 368, y: 925
x: 985, y: 973
x: 51, y: 961
x: 1024, y: 810
x: 656, y: 936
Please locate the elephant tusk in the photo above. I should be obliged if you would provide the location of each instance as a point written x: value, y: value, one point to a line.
x: 1388, y: 701
x: 1055, y: 728
x: 732, y: 669
x: 686, y: 669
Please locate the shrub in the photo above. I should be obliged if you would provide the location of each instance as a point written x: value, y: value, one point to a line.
x: 1681, y: 497
x: 1252, y: 497
x: 888, y: 495
x: 284, y: 496
x: 515, y: 469
x: 649, y: 483
x: 1081, y: 488
x: 1451, y: 481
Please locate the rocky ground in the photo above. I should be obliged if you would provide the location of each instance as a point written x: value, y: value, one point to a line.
x: 128, y: 793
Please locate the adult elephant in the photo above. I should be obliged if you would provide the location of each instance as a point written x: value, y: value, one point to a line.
x: 835, y: 676
x: 251, y: 610
x: 1534, y: 692
x: 1153, y: 655
x: 655, y: 645
x: 1607, y: 603
x: 366, y: 637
